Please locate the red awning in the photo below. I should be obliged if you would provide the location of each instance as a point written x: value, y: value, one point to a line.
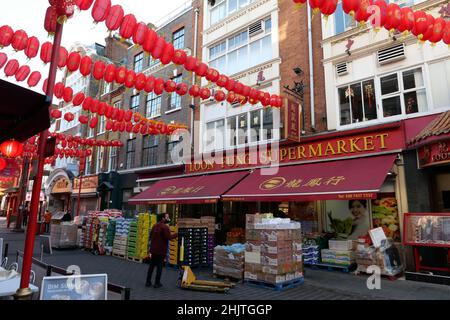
x: 196, y: 189
x: 343, y: 179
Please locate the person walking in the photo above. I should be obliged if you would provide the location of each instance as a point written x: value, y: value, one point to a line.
x: 159, y: 237
x: 47, y: 220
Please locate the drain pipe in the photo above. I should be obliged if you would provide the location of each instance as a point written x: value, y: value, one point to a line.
x: 194, y: 54
x: 311, y: 72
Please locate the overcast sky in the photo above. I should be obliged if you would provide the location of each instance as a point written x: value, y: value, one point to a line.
x: 29, y: 16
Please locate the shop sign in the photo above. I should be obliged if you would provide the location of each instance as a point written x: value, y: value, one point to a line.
x: 172, y: 190
x: 434, y: 154
x: 292, y: 121
x: 77, y: 287
x: 62, y: 186
x: 88, y: 185
x: 339, y: 147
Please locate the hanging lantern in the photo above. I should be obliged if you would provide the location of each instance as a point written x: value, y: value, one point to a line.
x: 109, y: 111
x: 194, y: 91
x: 127, y: 27
x: 159, y: 48
x: 393, y: 17
x: 83, y: 119
x: 316, y: 5
x: 78, y: 99
x: 170, y: 86
x: 11, y: 149
x: 159, y: 86
x: 136, y: 117
x: 129, y: 127
x: 102, y: 108
x: 6, y: 35
x: 231, y: 97
x: 136, y: 128
x: 87, y: 103
x: 205, y: 93
x: 430, y: 24
x: 46, y: 52
x: 363, y: 14
x: 3, y: 59
x: 20, y: 40
x: 65, y: 9
x: 222, y: 81
x: 34, y: 79
x: 59, y: 90
x: 438, y: 30
x: 32, y: 48
x: 51, y: 19
x: 150, y: 40
x: 121, y: 114
x: 114, y: 18
x: 100, y: 10
x: 85, y: 66
x: 121, y: 126
x: 140, y: 33
x: 220, y: 96
x: 238, y: 87
x: 378, y: 20
x: 62, y: 57
x: 144, y: 129
x: 115, y: 114
x: 108, y: 125
x: 130, y: 79
x: 11, y: 67
x: 149, y: 84
x: 299, y: 3
x: 128, y: 115
x: 406, y: 21
x: 22, y: 73
x: 94, y: 106
x: 246, y: 91
x: 350, y: 6
x: 273, y: 100
x: 446, y: 34
x: 202, y: 69
x: 168, y: 54
x: 328, y: 8
x: 253, y: 94
x: 190, y: 64
x: 115, y: 126
x: 93, y: 122
x: 88, y: 152
x: 84, y: 4
x: 110, y: 73
x: 69, y: 117
x: 212, y: 75
x: 179, y: 57
x: 73, y: 61
x: 56, y: 114
x: 182, y: 89
x: 230, y: 85
x: 68, y: 94
x: 121, y: 74
x: 420, y: 24
x: 140, y: 81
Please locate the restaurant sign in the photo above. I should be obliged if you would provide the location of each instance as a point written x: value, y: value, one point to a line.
x: 88, y: 184
x: 292, y: 122
x: 434, y: 154
x: 352, y: 145
x: 62, y: 185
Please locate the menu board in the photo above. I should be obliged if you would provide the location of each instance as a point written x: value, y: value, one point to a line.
x: 76, y: 287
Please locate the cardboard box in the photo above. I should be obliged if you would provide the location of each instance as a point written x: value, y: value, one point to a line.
x: 253, y: 246
x: 253, y: 267
x: 250, y: 275
x: 252, y: 257
x: 276, y: 246
x: 252, y: 235
x: 275, y: 235
x: 297, y: 245
x: 271, y: 278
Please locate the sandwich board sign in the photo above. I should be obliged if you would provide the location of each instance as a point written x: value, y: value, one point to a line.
x: 75, y: 287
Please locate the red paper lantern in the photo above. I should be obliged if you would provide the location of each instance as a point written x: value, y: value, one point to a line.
x: 168, y: 54
x: 179, y: 57
x: 393, y: 17
x: 84, y: 4
x: 85, y: 66
x: 378, y: 20
x: 316, y: 5
x: 11, y: 67
x: 363, y: 13
x: 32, y: 48
x: 59, y: 90
x: 94, y: 106
x: 20, y: 40
x: 87, y: 103
x: 11, y: 149
x: 420, y: 24
x: 136, y: 128
x: 159, y: 86
x: 438, y: 30
x: 350, y: 6
x: 121, y: 114
x: 140, y: 33
x: 246, y: 91
x: 194, y: 91
x: 110, y: 73
x: 150, y: 40
x: 140, y: 81
x: 205, y: 93
x: 3, y: 59
x: 109, y: 111
x: 83, y: 119
x: 212, y: 75
x: 190, y: 64
x: 144, y: 129
x: 121, y: 74
x: 182, y: 89
x: 22, y: 73
x: 109, y: 125
x: 114, y: 18
x: 115, y: 126
x: 430, y: 24
x: 170, y: 86
x: 88, y: 152
x: 34, y: 79
x: 102, y: 108
x: 220, y: 96
x: 6, y: 35
x: 62, y: 57
x: 136, y: 117
x: 127, y: 27
x: 55, y: 114
x: 231, y: 97
x: 128, y: 115
x: 407, y: 20
x: 230, y: 85
x: 130, y: 79
x: 149, y: 84
x: 222, y: 81
x: 51, y: 19
x: 100, y: 10
x: 238, y: 87
x: 446, y: 34
x: 98, y: 71
x: 93, y: 122
x: 3, y: 164
x: 78, y: 99
x: 329, y: 7
x: 46, y: 52
x: 73, y: 61
x: 65, y: 9
x: 69, y: 117
x: 129, y: 127
x: 201, y: 69
x: 159, y: 48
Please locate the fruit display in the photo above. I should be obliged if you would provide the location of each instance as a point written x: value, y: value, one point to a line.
x: 385, y: 215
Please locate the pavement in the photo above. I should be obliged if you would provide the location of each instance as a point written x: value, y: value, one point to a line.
x: 318, y: 285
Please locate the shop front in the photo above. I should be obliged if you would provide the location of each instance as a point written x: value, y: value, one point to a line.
x: 59, y: 188
x: 85, y: 197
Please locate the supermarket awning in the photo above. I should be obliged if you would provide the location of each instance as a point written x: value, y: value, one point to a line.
x: 196, y: 189
x: 342, y: 179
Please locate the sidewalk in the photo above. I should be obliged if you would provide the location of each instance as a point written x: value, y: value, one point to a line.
x: 319, y: 285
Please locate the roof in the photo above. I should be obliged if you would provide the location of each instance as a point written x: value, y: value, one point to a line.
x: 437, y: 127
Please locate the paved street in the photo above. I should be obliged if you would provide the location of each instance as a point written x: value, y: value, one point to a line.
x: 318, y: 284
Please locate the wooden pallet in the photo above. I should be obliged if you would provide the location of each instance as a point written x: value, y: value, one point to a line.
x: 118, y: 255
x: 228, y: 278
x: 138, y: 260
x: 276, y: 286
x: 332, y: 267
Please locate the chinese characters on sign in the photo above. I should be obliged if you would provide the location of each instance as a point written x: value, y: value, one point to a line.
x: 293, y: 123
x: 278, y: 182
x: 174, y: 190
x: 437, y: 153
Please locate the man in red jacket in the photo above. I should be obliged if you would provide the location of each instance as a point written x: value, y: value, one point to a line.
x: 159, y: 236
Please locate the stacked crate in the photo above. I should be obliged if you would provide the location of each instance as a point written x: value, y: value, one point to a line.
x: 173, y: 248
x: 121, y: 238
x: 210, y: 223
x: 132, y: 240
x: 110, y: 232
x: 143, y: 225
x: 195, y: 248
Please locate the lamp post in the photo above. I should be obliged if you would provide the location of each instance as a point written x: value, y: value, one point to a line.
x: 24, y: 292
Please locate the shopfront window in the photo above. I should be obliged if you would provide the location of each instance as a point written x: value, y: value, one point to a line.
x: 357, y: 102
x: 131, y: 151
x: 150, y: 150
x: 88, y: 167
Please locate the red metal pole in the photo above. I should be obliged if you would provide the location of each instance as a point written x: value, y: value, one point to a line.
x: 80, y: 182
x: 32, y: 220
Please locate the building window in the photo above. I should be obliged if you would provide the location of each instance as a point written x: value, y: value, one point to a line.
x: 112, y: 159
x: 171, y: 143
x: 134, y: 105
x: 403, y: 93
x: 131, y: 151
x: 231, y: 131
x: 215, y: 135
x: 255, y: 125
x: 102, y: 125
x: 243, y: 129
x: 222, y: 9
x: 138, y: 62
x: 87, y: 169
x: 100, y: 156
x: 150, y: 150
x: 342, y: 21
x: 267, y: 124
x: 440, y: 82
x: 178, y: 39
x: 241, y: 52
x: 175, y: 99
x: 91, y: 132
x: 106, y: 88
x: 153, y: 106
x: 118, y: 104
x: 357, y: 102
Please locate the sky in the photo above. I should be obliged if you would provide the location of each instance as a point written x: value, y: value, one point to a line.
x: 29, y: 16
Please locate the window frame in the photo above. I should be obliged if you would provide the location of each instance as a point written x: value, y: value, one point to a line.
x: 153, y: 98
x: 150, y: 149
x: 176, y: 38
x: 130, y: 155
x: 135, y: 98
x: 138, y: 62
x: 174, y: 96
x: 112, y: 161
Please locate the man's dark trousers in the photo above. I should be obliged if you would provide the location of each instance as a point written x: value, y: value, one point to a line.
x: 156, y: 261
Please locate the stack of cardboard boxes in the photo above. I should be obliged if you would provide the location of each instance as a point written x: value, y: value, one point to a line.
x: 229, y: 261
x: 340, y: 252
x: 273, y: 249
x: 64, y: 235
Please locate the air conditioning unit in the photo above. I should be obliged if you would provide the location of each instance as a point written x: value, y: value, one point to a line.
x: 255, y: 28
x: 391, y: 54
x: 342, y: 68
